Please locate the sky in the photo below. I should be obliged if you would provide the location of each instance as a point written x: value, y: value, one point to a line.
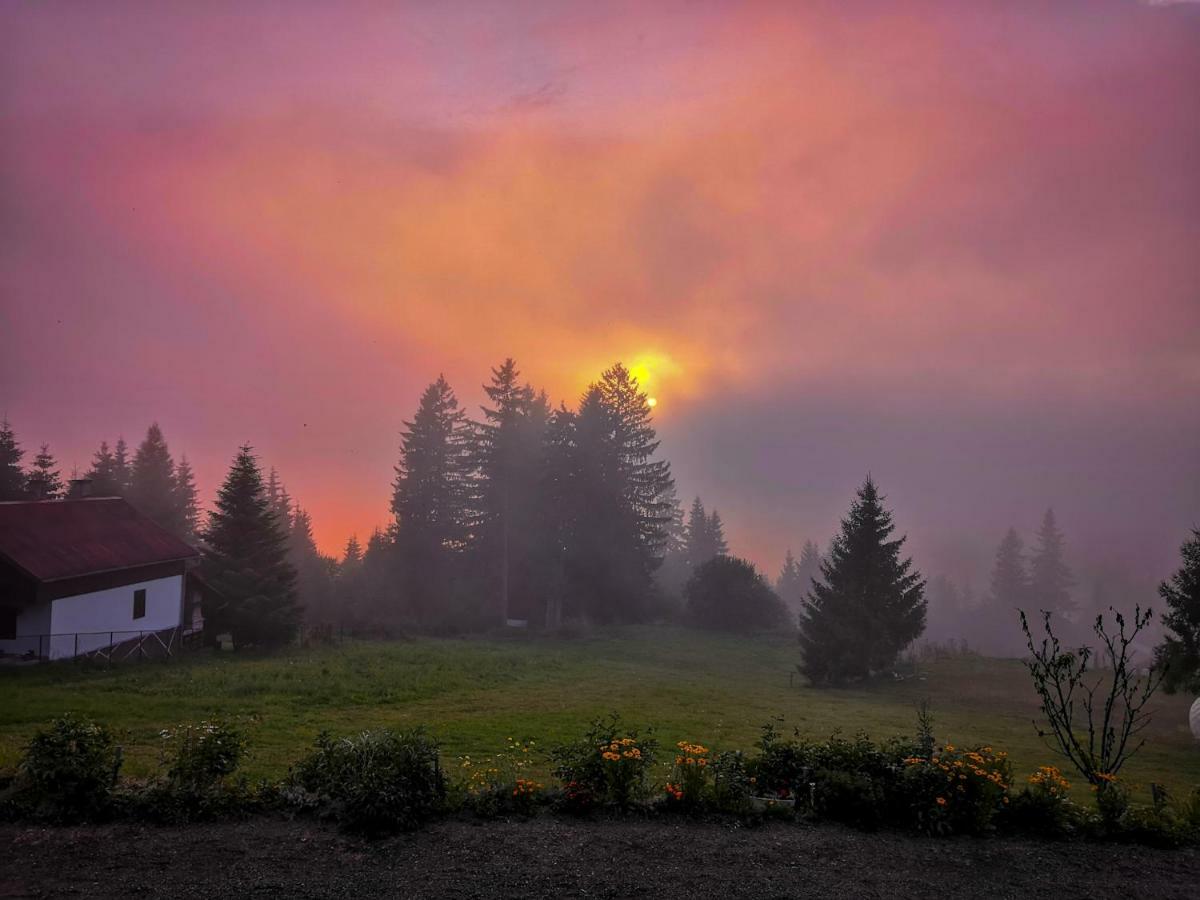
x: 953, y: 245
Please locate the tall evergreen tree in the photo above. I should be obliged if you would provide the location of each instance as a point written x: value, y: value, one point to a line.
x: 790, y: 586
x: 246, y: 562
x: 507, y: 463
x: 103, y: 473
x: 348, y: 584
x: 353, y: 553
x: 12, y: 476
x: 1000, y: 631
x: 432, y: 499
x: 673, y: 574
x: 620, y: 529
x: 44, y: 481
x: 187, y: 504
x: 1050, y: 579
x: 152, y: 481
x: 870, y: 603
x: 810, y: 565
x: 122, y: 471
x: 314, y: 582
x: 716, y: 534
x: 1179, y: 652
x: 699, y: 545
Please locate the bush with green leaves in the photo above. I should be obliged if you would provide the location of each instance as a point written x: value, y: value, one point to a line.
x: 68, y: 772
x: 728, y: 594
x: 199, y: 756
x: 732, y: 784
x: 375, y: 782
x: 503, y: 783
x: 955, y: 790
x: 609, y: 766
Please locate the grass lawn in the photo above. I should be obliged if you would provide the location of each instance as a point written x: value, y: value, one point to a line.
x: 474, y: 693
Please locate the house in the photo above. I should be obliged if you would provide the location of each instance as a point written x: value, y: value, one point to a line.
x: 78, y: 575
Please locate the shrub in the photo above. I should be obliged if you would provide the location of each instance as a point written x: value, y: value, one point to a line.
x: 1043, y: 807
x: 732, y: 783
x: 728, y: 594
x: 199, y: 756
x: 68, y: 771
x: 689, y: 777
x: 956, y: 790
x: 608, y: 766
x: 376, y: 781
x: 499, y: 784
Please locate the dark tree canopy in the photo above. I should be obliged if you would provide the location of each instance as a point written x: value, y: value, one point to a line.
x: 1008, y: 592
x: 1050, y: 579
x: 152, y: 485
x: 44, y: 481
x: 704, y: 535
x: 12, y: 476
x: 246, y: 563
x: 103, y: 473
x: 728, y: 594
x: 187, y: 504
x: 870, y: 603
x: 1179, y: 653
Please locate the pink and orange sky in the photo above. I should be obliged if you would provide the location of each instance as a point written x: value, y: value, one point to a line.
x: 955, y: 244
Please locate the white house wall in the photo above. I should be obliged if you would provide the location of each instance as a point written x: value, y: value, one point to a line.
x: 106, y: 616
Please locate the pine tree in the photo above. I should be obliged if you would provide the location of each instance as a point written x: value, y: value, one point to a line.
x: 699, y: 543
x: 1000, y: 630
x: 506, y: 460
x: 44, y: 481
x: 12, y: 476
x: 716, y: 534
x: 348, y: 584
x: 103, y: 473
x: 152, y: 482
x: 869, y: 605
x: 810, y: 565
x: 1179, y: 652
x: 674, y: 572
x: 246, y: 562
x: 432, y: 499
x: 187, y: 504
x: 1050, y: 580
x: 790, y: 586
x: 352, y: 555
x: 313, y: 581
x: 620, y: 524
x: 122, y: 474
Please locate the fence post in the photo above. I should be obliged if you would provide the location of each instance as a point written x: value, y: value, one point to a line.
x: 110, y: 648
x: 76, y: 656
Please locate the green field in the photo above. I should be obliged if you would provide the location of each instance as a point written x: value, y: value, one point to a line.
x: 474, y: 693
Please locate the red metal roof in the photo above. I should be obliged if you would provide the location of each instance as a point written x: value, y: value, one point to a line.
x: 53, y: 539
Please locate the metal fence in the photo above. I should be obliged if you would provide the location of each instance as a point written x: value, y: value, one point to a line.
x: 103, y: 646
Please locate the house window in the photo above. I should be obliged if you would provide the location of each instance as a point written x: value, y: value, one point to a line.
x: 139, y: 604
x: 8, y: 624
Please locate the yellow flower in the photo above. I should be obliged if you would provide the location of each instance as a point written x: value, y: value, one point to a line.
x: 941, y: 801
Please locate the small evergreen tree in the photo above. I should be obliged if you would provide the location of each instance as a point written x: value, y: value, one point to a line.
x: 152, y: 485
x: 716, y: 534
x: 187, y: 503
x: 698, y: 543
x: 44, y: 482
x: 810, y: 565
x: 246, y: 562
x: 12, y: 476
x: 728, y: 594
x: 870, y: 603
x: 1179, y: 654
x: 103, y: 473
x: 1050, y: 580
x: 314, y: 582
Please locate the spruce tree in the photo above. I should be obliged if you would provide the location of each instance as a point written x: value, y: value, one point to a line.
x: 1050, y: 580
x: 44, y: 481
x: 716, y: 534
x: 246, y: 562
x: 870, y: 603
x: 432, y: 499
x: 810, y: 565
x: 152, y: 481
x: 314, y: 583
x: 187, y: 504
x: 507, y: 464
x: 12, y: 476
x: 353, y: 554
x: 1000, y: 630
x: 1179, y: 653
x: 122, y: 474
x: 699, y: 549
x: 103, y: 473
x: 621, y: 522
x: 790, y: 586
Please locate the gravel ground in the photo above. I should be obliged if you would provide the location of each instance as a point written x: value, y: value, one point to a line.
x: 554, y: 857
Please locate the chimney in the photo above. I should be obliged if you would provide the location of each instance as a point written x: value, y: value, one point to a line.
x: 79, y: 487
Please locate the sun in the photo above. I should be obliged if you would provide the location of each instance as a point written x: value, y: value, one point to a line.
x: 652, y: 402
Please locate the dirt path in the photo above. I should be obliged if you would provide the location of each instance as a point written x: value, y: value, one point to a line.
x: 550, y: 857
